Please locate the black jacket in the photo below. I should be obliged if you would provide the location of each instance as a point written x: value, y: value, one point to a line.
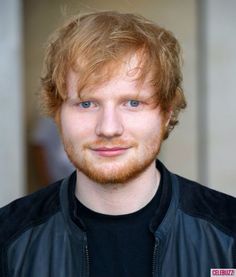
x: 195, y: 230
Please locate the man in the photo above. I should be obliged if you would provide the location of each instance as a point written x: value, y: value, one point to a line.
x: 112, y: 82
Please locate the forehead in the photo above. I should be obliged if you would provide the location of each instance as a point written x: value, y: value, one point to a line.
x: 123, y: 75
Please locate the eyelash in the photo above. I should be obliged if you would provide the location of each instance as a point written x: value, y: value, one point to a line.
x: 88, y: 104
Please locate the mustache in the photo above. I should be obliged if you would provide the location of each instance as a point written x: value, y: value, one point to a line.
x: 115, y: 142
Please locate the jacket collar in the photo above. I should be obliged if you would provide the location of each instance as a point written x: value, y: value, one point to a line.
x: 168, y: 206
x: 160, y: 222
x: 166, y: 191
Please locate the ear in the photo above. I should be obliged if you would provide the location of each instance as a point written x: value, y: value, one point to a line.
x: 57, y: 117
x: 168, y: 117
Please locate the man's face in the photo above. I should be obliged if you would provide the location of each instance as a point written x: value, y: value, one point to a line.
x: 114, y: 133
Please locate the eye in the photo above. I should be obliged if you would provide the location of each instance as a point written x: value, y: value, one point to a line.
x: 133, y: 103
x: 85, y: 104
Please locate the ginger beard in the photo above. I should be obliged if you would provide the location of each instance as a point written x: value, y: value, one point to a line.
x: 114, y: 170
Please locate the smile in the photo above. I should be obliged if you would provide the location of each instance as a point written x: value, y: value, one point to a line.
x: 110, y: 152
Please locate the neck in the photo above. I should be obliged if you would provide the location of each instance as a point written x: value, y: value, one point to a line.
x: 117, y: 199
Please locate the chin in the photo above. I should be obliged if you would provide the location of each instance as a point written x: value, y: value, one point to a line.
x: 114, y: 172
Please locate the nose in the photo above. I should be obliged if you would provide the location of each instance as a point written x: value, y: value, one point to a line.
x: 109, y: 123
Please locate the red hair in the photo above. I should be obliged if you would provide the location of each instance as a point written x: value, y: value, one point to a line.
x: 92, y: 43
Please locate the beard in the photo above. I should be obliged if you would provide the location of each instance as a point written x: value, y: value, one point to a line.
x: 113, y: 170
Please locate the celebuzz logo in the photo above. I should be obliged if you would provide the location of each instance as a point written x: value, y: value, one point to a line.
x: 223, y: 272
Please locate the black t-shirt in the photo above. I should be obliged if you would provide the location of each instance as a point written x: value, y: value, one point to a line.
x: 122, y: 245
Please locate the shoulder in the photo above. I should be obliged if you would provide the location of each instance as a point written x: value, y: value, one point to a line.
x: 206, y: 203
x: 27, y: 211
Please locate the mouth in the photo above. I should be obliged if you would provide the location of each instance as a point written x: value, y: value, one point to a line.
x: 110, y: 151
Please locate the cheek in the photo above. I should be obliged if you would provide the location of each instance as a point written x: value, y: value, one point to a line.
x: 75, y: 127
x: 144, y: 127
x: 68, y: 123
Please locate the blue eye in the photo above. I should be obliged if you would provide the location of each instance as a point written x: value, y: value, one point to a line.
x: 134, y: 103
x: 85, y: 104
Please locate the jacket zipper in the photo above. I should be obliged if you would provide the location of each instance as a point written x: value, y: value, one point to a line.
x: 87, y: 258
x: 155, y: 267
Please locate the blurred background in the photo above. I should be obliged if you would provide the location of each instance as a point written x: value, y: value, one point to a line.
x: 201, y: 148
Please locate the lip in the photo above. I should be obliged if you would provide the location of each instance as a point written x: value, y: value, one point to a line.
x: 110, y: 151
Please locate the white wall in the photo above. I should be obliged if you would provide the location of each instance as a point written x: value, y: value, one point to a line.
x: 11, y: 103
x: 221, y: 90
